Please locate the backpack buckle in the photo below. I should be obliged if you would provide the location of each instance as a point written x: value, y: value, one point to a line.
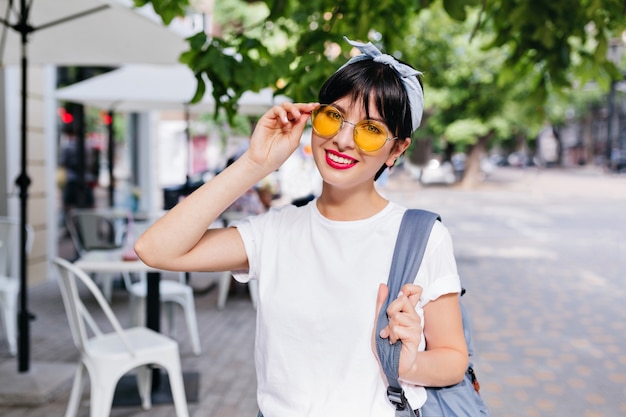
x: 397, y: 398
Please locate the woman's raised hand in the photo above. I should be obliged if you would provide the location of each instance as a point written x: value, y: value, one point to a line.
x: 277, y: 134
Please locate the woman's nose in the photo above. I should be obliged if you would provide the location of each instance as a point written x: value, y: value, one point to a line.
x: 344, y: 139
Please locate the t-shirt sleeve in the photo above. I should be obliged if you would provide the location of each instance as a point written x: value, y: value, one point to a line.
x: 251, y: 229
x: 438, y: 274
x: 246, y: 231
x: 260, y: 234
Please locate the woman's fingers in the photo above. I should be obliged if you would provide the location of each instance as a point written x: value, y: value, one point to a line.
x: 413, y: 292
x: 404, y: 322
x: 299, y: 110
x: 277, y: 134
x: 407, y: 299
x: 283, y: 118
x: 293, y: 112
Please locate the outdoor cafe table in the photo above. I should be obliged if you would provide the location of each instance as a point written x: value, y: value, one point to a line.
x: 112, y: 261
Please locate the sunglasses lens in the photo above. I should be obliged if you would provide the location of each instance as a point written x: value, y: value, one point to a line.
x: 370, y: 135
x: 326, y: 121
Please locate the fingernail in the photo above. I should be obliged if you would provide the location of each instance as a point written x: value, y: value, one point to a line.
x: 400, y: 294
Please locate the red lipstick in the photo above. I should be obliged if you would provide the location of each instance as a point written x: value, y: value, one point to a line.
x: 338, y: 160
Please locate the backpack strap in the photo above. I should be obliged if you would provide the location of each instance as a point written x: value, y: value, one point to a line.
x: 408, y: 253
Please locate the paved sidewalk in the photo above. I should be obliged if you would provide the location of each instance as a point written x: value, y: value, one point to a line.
x: 542, y: 256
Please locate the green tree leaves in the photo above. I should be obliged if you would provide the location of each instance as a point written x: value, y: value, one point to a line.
x: 167, y: 9
x: 480, y: 57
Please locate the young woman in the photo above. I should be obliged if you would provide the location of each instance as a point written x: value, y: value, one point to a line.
x: 322, y: 267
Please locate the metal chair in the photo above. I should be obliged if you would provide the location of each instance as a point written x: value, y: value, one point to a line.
x: 98, y: 229
x: 108, y: 356
x: 9, y: 276
x: 170, y: 293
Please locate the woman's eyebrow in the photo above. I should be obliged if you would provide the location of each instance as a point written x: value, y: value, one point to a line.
x: 368, y: 116
x: 338, y: 107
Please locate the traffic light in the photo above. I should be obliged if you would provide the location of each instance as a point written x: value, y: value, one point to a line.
x: 65, y: 116
x: 106, y: 118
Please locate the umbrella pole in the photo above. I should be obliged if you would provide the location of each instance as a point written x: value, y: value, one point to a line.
x: 23, y: 182
x: 110, y: 158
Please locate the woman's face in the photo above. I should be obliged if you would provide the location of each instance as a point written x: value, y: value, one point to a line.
x: 340, y: 161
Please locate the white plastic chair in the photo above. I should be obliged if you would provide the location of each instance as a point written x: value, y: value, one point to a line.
x: 224, y: 286
x: 108, y: 356
x: 102, y: 229
x: 170, y: 293
x: 9, y: 276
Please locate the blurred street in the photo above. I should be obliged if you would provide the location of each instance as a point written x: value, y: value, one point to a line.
x: 542, y: 254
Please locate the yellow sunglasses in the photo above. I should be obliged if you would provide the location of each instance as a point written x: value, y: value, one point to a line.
x: 369, y: 135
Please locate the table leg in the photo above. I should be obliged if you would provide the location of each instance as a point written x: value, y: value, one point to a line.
x: 153, y: 316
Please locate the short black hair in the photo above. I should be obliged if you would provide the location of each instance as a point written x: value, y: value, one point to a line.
x: 367, y: 78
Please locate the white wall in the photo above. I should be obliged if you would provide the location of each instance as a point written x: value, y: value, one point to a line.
x: 41, y: 147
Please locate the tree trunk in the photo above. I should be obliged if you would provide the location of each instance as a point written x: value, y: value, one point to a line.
x: 587, y: 136
x: 472, y: 175
x: 421, y: 152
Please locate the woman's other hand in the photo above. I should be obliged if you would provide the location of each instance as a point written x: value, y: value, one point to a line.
x: 404, y: 322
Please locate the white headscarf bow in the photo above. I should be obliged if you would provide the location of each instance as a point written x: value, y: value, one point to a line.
x: 408, y: 76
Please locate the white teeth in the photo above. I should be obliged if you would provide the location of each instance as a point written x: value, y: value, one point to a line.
x: 339, y: 159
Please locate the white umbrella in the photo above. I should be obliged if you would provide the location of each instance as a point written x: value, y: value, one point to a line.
x: 88, y: 33
x: 136, y: 88
x: 72, y: 32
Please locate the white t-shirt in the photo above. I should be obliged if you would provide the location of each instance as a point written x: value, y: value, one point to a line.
x: 318, y: 282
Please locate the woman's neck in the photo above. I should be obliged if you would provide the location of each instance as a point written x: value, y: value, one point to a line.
x: 347, y: 205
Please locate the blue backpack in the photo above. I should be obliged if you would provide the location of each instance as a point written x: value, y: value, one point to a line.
x: 460, y: 400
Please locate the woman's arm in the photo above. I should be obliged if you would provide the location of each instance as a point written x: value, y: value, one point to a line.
x: 445, y: 359
x: 181, y: 240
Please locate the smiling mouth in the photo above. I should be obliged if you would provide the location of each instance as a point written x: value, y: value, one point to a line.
x: 338, y: 161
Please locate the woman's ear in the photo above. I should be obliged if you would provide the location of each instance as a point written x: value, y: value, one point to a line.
x: 397, y: 150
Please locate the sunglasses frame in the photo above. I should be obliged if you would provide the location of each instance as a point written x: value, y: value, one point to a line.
x: 354, y: 125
